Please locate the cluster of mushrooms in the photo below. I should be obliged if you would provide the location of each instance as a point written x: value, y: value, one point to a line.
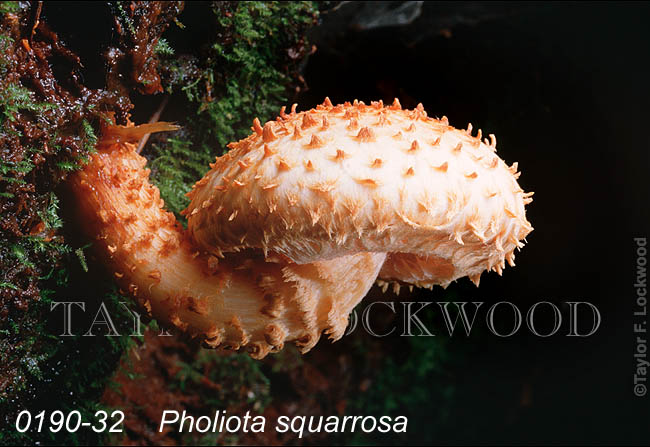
x: 289, y: 229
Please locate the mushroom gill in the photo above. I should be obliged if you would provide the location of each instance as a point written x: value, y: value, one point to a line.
x: 289, y: 230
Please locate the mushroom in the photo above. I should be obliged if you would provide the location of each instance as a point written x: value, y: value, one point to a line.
x: 289, y: 230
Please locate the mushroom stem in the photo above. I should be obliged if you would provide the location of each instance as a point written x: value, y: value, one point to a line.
x: 237, y: 301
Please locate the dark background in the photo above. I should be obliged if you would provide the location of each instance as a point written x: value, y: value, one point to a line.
x: 564, y: 88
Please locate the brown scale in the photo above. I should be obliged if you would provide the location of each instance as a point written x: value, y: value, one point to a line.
x: 309, y: 166
x: 274, y: 305
x: 257, y: 127
x: 296, y: 133
x: 365, y: 135
x: 415, y: 146
x: 442, y: 168
x: 339, y: 156
x: 351, y: 114
x: 308, y: 121
x: 283, y: 165
x: 267, y: 133
x: 315, y: 142
x: 369, y: 182
x: 274, y: 335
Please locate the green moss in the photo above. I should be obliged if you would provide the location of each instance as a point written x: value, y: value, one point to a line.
x: 246, y: 74
x: 175, y: 167
x: 242, y: 385
x: 9, y: 7
x: 124, y: 17
x: 239, y: 371
x: 252, y: 83
x: 33, y: 252
x: 15, y: 98
x: 163, y: 48
x: 89, y: 136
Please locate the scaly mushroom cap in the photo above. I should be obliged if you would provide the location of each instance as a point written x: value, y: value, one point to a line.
x: 338, y: 180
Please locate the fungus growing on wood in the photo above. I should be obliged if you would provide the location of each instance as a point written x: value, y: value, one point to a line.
x: 289, y: 230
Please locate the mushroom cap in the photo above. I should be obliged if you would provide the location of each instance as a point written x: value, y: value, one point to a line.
x: 339, y: 180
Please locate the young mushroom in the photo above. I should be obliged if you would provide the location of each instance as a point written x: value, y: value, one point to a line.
x: 289, y: 230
